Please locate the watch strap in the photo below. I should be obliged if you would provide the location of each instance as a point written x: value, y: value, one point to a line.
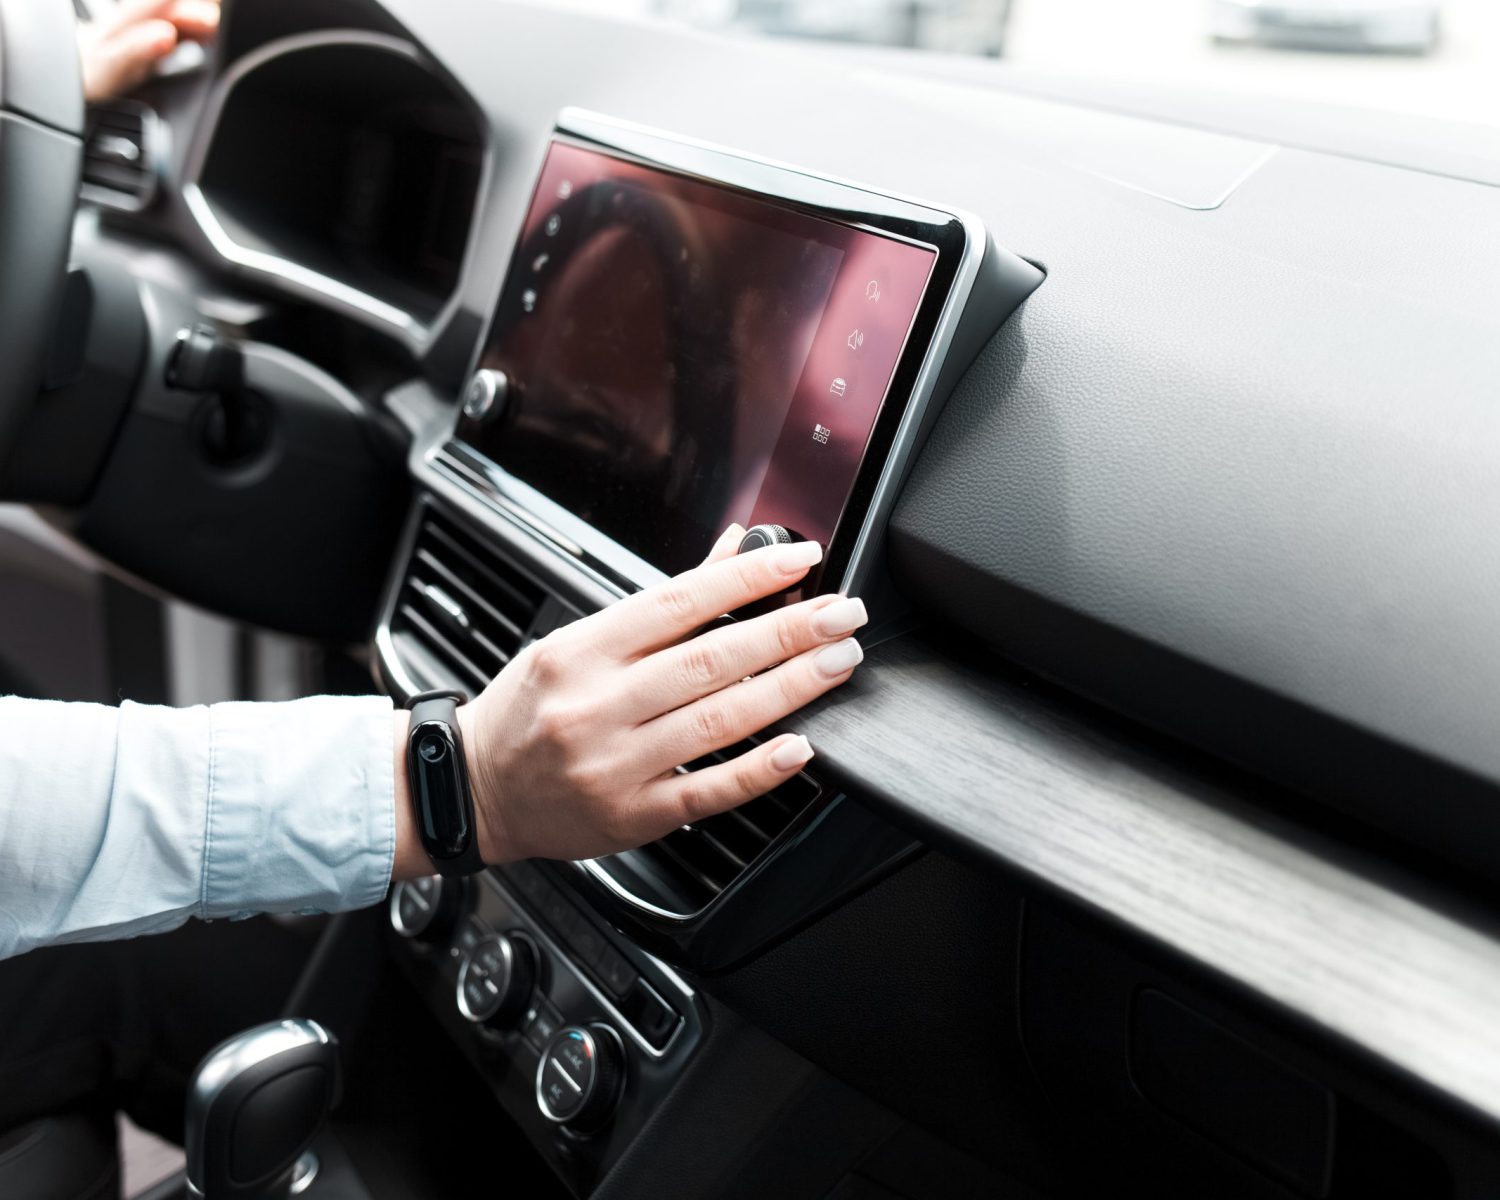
x: 441, y: 708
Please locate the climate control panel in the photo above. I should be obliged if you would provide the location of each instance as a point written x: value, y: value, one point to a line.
x: 579, y: 1033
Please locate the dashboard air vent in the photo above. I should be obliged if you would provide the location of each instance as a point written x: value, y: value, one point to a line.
x: 688, y: 868
x: 121, y: 155
x: 462, y: 607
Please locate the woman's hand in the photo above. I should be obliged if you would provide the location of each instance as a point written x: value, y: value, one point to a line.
x: 573, y: 749
x: 120, y: 49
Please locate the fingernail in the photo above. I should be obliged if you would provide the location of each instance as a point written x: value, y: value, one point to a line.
x: 795, y: 556
x: 735, y: 530
x: 842, y: 616
x: 791, y: 754
x: 842, y: 656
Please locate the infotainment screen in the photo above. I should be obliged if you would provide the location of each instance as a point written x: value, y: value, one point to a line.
x: 682, y: 354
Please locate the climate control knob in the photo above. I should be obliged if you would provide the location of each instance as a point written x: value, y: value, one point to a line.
x: 495, y: 981
x: 427, y: 909
x: 579, y: 1079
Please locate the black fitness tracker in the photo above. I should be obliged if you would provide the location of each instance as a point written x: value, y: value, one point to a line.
x: 439, y: 779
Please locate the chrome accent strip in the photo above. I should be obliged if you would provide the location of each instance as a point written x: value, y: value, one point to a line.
x: 585, y: 548
x: 304, y: 1173
x: 393, y: 665
x: 898, y: 460
x: 298, y: 276
x: 447, y: 603
x: 593, y: 870
x: 297, y: 279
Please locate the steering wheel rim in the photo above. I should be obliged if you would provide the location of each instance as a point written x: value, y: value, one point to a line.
x: 41, y: 152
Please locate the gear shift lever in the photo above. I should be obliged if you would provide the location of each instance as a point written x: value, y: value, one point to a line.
x: 255, y: 1105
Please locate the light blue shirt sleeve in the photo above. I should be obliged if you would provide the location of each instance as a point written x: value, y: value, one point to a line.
x: 121, y: 821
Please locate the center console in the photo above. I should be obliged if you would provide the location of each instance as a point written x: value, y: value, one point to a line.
x: 686, y: 337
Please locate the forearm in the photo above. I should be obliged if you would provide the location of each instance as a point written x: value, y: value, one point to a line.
x: 119, y: 821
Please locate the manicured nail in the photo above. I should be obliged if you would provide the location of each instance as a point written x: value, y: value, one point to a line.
x: 842, y: 616
x: 795, y: 557
x: 791, y: 754
x: 838, y: 658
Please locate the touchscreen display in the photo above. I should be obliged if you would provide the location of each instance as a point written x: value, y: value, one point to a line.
x: 683, y: 355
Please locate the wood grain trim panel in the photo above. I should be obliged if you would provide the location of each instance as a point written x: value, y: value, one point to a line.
x: 1345, y: 942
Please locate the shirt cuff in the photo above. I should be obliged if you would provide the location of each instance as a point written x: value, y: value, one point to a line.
x: 301, y: 806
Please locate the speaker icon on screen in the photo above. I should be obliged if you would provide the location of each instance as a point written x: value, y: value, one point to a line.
x: 856, y: 339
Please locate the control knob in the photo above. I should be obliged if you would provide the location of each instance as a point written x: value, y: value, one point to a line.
x: 427, y: 909
x: 486, y: 394
x: 758, y: 536
x: 579, y: 1078
x: 495, y: 981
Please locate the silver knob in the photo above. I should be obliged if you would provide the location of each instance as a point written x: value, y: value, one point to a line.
x: 485, y: 396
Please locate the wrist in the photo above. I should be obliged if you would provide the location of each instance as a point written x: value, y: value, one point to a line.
x: 411, y: 860
x: 489, y: 827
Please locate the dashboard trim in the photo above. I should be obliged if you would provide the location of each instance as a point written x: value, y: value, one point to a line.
x: 1383, y: 960
x: 299, y: 280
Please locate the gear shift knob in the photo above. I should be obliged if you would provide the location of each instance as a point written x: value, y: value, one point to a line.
x: 255, y: 1105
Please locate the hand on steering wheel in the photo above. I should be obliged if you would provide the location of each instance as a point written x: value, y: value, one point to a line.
x: 573, y: 748
x: 120, y: 49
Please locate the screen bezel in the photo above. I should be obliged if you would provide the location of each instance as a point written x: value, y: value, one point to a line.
x: 958, y: 242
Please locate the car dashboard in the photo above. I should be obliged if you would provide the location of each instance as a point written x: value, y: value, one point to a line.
x: 1105, y: 413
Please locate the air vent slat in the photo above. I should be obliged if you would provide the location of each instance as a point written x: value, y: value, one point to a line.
x: 505, y: 593
x: 471, y: 674
x: 120, y: 155
x: 488, y: 657
x: 429, y: 560
x: 708, y: 831
x: 464, y: 603
x: 679, y: 848
x: 737, y: 827
x: 700, y: 861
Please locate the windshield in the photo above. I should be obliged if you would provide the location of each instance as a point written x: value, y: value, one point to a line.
x: 1432, y: 58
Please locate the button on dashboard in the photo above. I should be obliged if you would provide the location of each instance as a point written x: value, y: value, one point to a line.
x: 653, y: 1017
x: 615, y: 970
x: 544, y: 1023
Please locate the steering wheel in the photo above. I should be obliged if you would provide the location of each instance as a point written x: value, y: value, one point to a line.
x: 41, y: 149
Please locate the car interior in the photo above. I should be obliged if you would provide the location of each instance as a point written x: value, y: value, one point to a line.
x: 1158, y: 431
